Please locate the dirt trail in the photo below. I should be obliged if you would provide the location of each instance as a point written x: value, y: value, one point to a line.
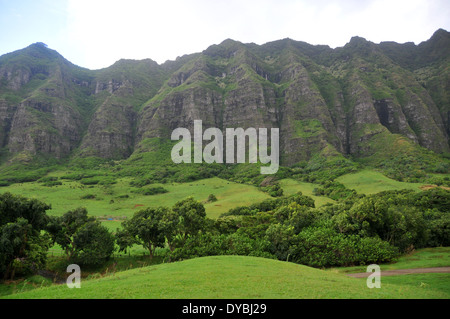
x: 397, y: 272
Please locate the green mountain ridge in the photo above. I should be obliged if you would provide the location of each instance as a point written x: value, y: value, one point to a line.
x: 367, y: 102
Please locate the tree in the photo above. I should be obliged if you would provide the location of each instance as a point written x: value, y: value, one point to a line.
x: 281, y: 238
x: 82, y: 237
x: 192, y: 214
x: 211, y: 198
x: 144, y: 228
x: 22, y: 246
x: 94, y: 243
x: 63, y: 228
x: 170, y: 228
x: 13, y: 207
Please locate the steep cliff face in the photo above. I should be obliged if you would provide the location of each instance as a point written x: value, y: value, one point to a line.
x: 119, y: 92
x: 348, y: 100
x: 42, y: 111
x: 430, y: 64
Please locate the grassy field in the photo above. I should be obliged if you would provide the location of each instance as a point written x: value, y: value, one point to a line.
x: 119, y: 200
x: 291, y: 186
x: 371, y: 182
x: 227, y: 277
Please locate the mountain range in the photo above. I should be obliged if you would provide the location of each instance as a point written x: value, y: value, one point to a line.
x: 364, y: 101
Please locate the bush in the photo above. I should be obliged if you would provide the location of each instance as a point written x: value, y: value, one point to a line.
x: 74, y: 177
x: 437, y: 197
x: 94, y: 244
x: 324, y: 247
x: 273, y: 190
x: 438, y: 226
x: 207, y: 244
x: 88, y: 196
x: 52, y: 183
x: 48, y: 179
x: 151, y: 190
x: 140, y: 182
x: 334, y: 190
x: 107, y: 181
x: 89, y: 181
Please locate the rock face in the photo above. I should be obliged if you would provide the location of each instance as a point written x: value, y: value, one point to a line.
x: 342, y: 99
x: 40, y: 110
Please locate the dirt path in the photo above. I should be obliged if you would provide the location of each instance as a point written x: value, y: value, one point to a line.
x: 397, y: 272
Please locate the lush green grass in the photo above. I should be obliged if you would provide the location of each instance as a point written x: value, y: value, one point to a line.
x: 438, y: 282
x: 291, y: 186
x: 421, y: 258
x: 222, y: 277
x: 27, y: 284
x: 371, y: 182
x: 119, y: 201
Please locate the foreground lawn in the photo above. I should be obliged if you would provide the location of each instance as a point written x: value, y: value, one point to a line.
x: 437, y: 282
x: 223, y: 277
x: 420, y: 258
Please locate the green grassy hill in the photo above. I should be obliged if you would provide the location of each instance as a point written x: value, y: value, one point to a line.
x: 228, y: 277
x: 372, y: 182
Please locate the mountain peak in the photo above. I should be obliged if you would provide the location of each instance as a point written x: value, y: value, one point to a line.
x: 440, y: 36
x: 440, y: 32
x: 39, y: 45
x: 357, y: 39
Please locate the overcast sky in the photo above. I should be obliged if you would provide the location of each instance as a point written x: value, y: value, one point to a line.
x: 96, y: 33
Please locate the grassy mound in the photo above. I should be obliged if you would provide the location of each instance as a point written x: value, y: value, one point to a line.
x: 228, y: 277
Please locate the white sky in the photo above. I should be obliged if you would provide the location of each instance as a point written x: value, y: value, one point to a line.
x: 97, y: 33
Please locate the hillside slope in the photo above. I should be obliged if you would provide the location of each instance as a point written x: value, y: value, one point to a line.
x: 228, y: 277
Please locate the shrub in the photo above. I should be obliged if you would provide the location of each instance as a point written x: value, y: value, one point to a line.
x: 152, y: 190
x: 94, y: 244
x: 273, y: 190
x: 88, y: 196
x: 207, y: 244
x: 438, y: 226
x: 89, y: 181
x: 48, y: 179
x: 52, y: 183
x: 325, y: 247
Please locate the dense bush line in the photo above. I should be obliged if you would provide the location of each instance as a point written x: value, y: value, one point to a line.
x: 360, y: 230
x: 355, y: 231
